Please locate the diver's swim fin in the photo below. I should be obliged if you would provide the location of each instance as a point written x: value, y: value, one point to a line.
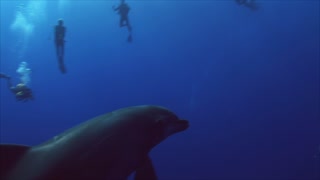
x: 129, y: 38
x: 62, y: 68
x: 61, y: 65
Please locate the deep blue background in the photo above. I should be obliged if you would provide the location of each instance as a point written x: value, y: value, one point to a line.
x: 247, y: 81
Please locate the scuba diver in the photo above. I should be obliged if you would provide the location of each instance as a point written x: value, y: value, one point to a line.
x: 21, y: 91
x: 59, y: 34
x: 123, y: 10
x: 248, y: 3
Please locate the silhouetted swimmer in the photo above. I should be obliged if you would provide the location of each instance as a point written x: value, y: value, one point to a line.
x: 248, y: 3
x: 21, y: 91
x: 123, y: 10
x: 60, y: 32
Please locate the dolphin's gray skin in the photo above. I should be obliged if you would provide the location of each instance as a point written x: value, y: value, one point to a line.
x: 107, y: 147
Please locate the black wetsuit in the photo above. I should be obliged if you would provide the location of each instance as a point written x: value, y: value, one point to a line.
x: 60, y: 31
x: 22, y: 93
x: 123, y: 9
x: 59, y: 39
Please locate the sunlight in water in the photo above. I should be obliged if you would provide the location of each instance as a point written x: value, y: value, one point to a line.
x: 22, y: 25
x: 26, y: 18
x: 62, y: 7
x: 63, y: 4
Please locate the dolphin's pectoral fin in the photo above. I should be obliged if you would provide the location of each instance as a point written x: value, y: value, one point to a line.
x: 146, y: 171
x: 10, y: 154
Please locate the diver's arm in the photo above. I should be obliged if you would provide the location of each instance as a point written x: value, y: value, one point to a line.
x: 115, y: 8
x: 4, y: 76
x: 9, y: 83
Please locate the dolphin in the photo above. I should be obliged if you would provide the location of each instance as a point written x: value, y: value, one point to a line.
x: 108, y: 147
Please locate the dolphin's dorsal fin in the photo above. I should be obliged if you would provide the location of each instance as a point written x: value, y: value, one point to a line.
x: 10, y: 154
x: 146, y: 171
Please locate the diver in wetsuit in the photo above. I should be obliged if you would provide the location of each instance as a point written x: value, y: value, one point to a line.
x: 21, y: 91
x: 123, y: 10
x: 59, y: 34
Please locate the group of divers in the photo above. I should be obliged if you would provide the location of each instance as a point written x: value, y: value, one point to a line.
x: 23, y: 92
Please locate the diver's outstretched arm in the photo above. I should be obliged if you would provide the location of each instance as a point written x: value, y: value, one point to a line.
x: 115, y: 8
x: 4, y: 76
x: 9, y: 83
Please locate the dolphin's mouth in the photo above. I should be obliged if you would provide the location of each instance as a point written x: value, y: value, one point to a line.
x: 175, y: 127
x: 181, y: 125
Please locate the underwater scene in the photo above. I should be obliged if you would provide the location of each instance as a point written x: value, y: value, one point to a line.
x: 160, y: 89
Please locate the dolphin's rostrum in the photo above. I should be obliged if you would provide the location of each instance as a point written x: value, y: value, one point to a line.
x: 107, y: 147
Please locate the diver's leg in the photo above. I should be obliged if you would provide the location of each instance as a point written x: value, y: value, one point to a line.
x: 57, y: 49
x: 62, y: 50
x: 61, y: 60
x: 126, y: 20
x: 127, y: 23
x: 122, y: 20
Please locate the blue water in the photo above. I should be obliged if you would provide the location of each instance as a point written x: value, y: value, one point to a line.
x: 247, y: 81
